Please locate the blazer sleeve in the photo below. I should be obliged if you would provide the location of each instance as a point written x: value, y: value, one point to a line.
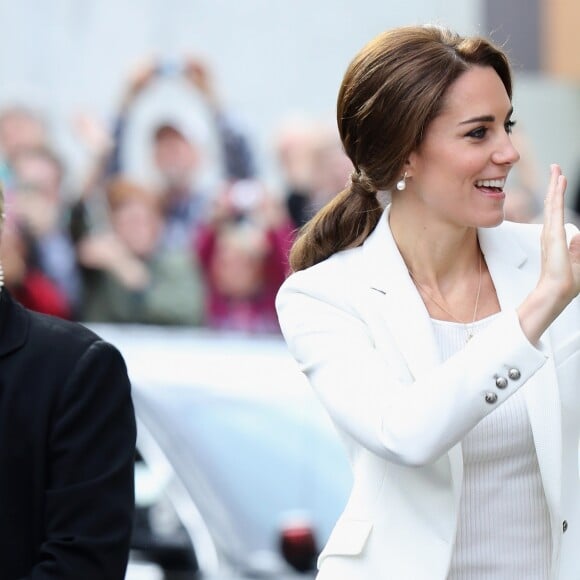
x: 409, y: 423
x: 90, y: 488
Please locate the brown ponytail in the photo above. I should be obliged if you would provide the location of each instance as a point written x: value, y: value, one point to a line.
x: 391, y: 91
x: 345, y: 222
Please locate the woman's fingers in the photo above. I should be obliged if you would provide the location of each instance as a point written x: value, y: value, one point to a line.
x: 561, y: 263
x: 554, y: 203
x: 553, y: 231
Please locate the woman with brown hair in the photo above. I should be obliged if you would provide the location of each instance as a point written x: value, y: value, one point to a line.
x: 443, y: 341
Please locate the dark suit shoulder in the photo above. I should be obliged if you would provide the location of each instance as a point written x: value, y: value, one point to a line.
x: 42, y: 335
x: 66, y: 333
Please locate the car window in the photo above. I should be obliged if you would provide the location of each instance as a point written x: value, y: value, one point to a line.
x: 265, y: 460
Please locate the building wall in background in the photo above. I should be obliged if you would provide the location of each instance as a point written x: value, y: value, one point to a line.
x: 270, y: 58
x: 516, y: 26
x: 560, y: 38
x: 541, y: 39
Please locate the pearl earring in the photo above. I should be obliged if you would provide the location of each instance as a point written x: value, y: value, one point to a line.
x: 402, y: 183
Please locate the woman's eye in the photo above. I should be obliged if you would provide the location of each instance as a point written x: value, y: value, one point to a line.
x: 478, y: 133
x: 509, y: 126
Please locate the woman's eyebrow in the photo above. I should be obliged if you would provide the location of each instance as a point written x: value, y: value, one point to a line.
x: 486, y: 118
x: 481, y: 119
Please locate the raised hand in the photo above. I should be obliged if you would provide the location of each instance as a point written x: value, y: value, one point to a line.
x: 140, y: 76
x: 199, y: 75
x: 93, y: 133
x: 560, y: 262
x: 559, y: 281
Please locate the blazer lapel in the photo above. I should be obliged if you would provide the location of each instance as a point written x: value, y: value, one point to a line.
x: 404, y: 313
x: 398, y: 301
x: 513, y: 279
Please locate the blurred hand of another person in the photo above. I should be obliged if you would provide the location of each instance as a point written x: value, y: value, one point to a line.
x: 237, y: 154
x: 93, y: 134
x: 140, y: 77
x: 130, y: 277
x: 198, y: 74
x: 106, y: 251
x: 249, y: 200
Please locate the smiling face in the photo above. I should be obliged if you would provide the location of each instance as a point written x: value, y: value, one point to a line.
x: 458, y: 173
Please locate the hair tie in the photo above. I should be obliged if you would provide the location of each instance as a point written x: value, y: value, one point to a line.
x: 360, y: 178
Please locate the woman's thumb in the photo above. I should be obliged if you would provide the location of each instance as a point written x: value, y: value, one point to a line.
x: 575, y: 249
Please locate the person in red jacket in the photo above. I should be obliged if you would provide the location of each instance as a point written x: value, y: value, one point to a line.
x: 27, y: 283
x: 243, y: 252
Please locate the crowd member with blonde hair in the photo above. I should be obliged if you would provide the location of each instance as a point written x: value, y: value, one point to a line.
x: 443, y: 340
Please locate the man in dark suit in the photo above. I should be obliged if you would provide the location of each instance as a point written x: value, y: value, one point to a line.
x: 67, y: 444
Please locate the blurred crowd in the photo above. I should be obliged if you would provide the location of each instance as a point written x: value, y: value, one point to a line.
x: 107, y: 247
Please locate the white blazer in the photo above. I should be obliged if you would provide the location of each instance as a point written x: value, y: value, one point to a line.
x: 361, y: 333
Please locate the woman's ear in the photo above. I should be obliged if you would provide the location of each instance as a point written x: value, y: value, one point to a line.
x: 410, y: 164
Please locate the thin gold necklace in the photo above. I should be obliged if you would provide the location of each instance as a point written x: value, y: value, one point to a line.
x: 468, y: 327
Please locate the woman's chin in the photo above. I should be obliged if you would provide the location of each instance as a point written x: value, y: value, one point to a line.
x: 492, y: 220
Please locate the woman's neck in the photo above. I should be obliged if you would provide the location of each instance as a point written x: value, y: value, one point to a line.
x: 436, y: 252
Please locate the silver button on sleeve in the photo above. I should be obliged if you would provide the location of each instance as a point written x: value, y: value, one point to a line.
x: 490, y: 398
x: 501, y: 382
x: 514, y: 374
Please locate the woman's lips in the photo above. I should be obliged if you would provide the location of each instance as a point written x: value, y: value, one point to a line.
x: 493, y: 192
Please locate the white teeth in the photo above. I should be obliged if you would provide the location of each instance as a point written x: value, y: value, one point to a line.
x: 499, y: 183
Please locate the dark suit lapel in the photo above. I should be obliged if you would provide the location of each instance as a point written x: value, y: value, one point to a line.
x: 14, y: 321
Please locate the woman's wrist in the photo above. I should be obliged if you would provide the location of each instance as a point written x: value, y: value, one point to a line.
x: 541, y: 307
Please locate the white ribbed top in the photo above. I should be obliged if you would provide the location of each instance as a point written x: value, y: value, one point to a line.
x: 504, y: 525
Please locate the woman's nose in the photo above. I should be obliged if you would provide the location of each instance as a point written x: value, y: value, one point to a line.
x: 506, y: 153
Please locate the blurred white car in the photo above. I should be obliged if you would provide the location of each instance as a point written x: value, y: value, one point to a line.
x: 239, y: 474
